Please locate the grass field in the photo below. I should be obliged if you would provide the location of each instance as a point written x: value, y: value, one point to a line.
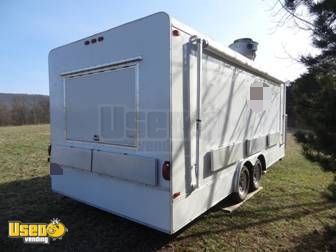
x: 296, y: 210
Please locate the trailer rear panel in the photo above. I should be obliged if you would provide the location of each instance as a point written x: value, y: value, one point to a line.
x: 102, y: 91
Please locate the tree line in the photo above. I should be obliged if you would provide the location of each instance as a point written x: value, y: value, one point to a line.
x: 21, y: 111
x: 312, y: 97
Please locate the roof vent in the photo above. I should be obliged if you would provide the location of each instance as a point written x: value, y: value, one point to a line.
x: 246, y: 47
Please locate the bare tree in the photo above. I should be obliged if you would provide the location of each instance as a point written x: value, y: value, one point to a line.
x: 4, y: 115
x: 19, y: 111
x: 40, y: 111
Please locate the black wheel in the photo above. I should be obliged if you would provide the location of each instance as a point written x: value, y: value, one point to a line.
x: 243, y: 185
x: 256, y: 176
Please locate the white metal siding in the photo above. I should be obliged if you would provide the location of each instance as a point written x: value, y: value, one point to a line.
x: 132, y: 168
x: 231, y: 132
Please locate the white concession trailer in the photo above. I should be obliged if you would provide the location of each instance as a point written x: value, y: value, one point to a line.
x: 155, y: 122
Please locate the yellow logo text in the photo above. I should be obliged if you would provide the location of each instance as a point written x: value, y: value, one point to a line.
x: 37, y: 232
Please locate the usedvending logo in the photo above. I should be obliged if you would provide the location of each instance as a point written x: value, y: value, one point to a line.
x: 37, y: 232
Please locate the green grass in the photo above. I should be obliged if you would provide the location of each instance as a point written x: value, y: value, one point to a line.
x: 295, y: 210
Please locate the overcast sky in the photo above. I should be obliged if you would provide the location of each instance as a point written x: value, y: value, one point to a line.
x: 31, y: 28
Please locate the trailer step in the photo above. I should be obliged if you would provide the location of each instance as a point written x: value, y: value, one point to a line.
x: 231, y: 208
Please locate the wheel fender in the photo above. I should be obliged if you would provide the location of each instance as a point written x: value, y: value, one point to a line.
x: 236, y: 176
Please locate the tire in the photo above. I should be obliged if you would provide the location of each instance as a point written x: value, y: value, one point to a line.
x: 243, y: 185
x: 256, y: 176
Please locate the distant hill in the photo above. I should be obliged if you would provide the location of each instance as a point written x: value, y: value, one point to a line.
x: 28, y: 99
x: 19, y: 109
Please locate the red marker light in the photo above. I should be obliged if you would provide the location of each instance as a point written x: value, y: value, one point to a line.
x: 176, y: 33
x: 166, y: 170
x: 175, y: 195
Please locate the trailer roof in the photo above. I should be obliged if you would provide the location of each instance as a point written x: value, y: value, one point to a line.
x: 227, y: 53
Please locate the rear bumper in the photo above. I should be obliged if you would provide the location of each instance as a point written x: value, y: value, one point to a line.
x: 150, y: 206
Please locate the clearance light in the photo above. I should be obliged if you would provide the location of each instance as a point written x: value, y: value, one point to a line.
x: 176, y: 33
x: 175, y: 195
